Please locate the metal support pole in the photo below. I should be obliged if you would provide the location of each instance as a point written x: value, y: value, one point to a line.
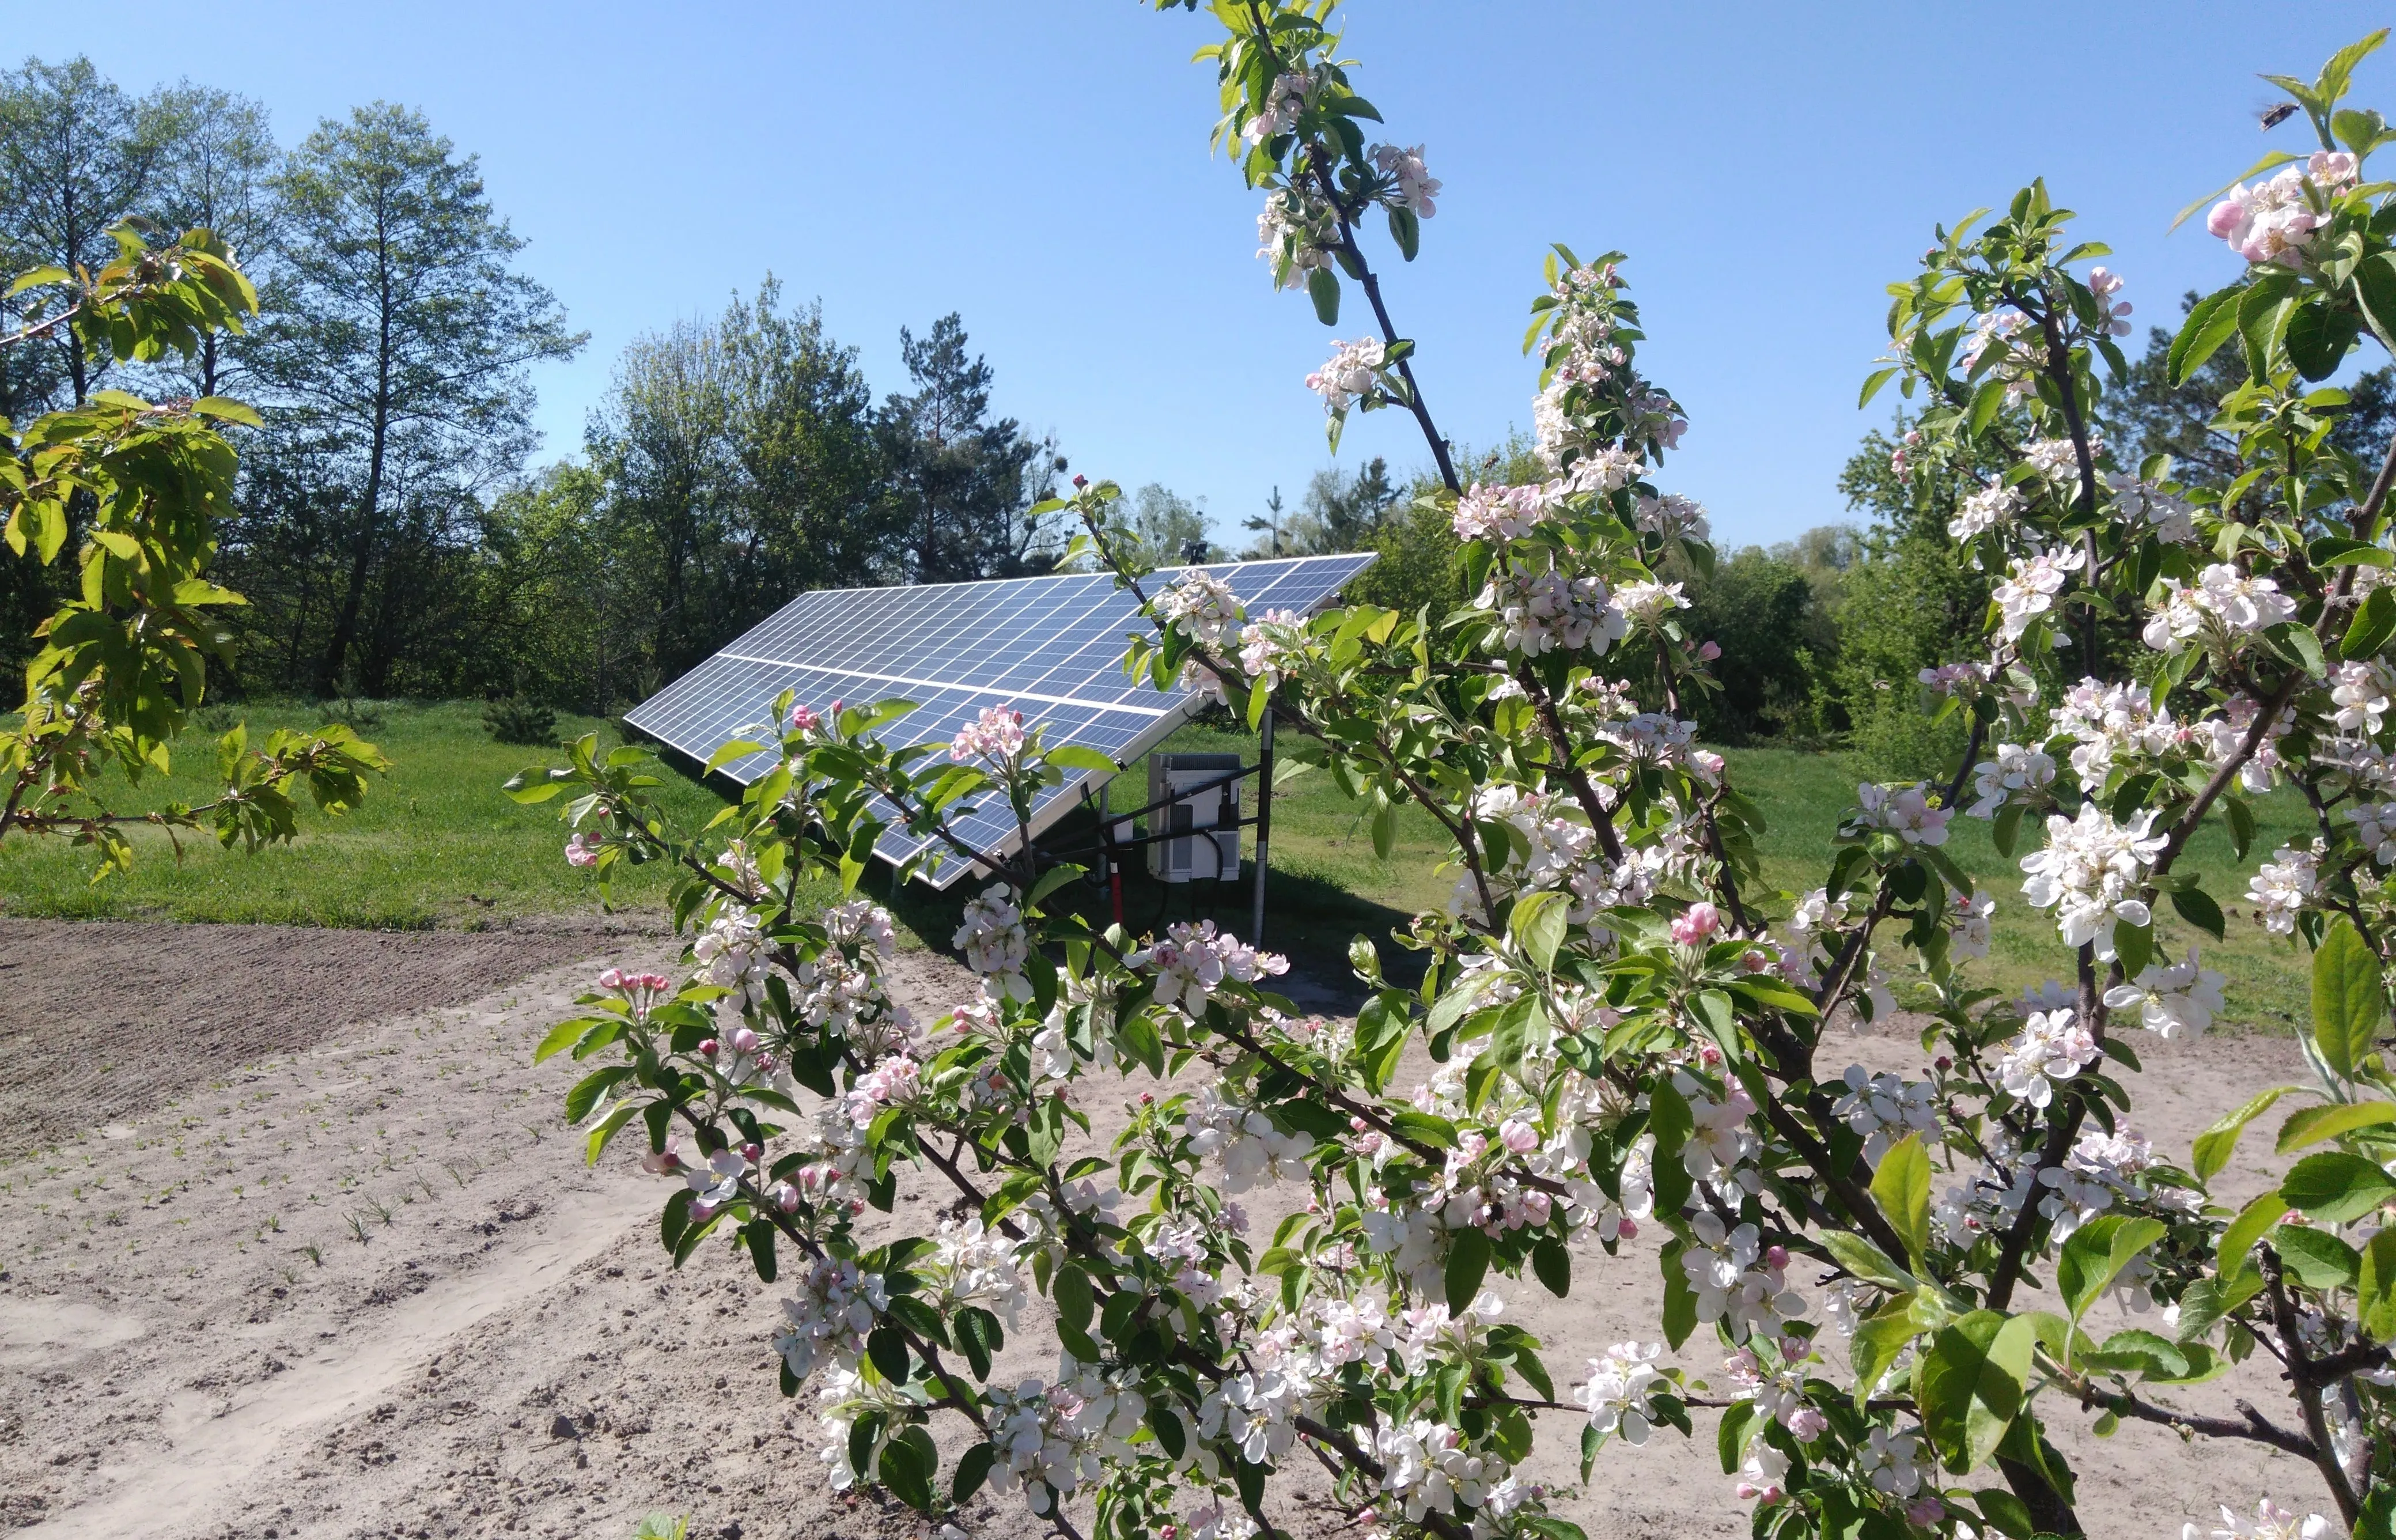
x: 1264, y: 825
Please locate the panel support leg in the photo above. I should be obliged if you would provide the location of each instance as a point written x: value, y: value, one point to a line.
x: 1264, y: 826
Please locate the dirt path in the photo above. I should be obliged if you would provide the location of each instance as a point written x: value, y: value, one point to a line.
x: 370, y: 1289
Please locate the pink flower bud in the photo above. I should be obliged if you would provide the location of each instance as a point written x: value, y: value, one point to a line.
x: 835, y: 708
x: 1474, y: 1144
x: 1926, y: 1510
x: 1806, y: 1423
x: 1943, y: 1063
x: 750, y: 1152
x: 804, y: 719
x: 1708, y: 651
x: 1754, y: 960
x: 707, y: 1047
x: 1519, y: 1136
x: 1079, y: 481
x: 744, y: 1040
x: 1536, y: 1206
x: 701, y: 1211
x: 1629, y: 1229
x: 1147, y: 1098
x: 1777, y: 1258
x: 1709, y: 1055
x: 784, y: 1197
x: 661, y: 1163
x: 1700, y: 921
x: 1357, y: 1125
x: 2226, y: 216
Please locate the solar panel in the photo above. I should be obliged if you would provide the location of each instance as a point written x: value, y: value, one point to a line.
x: 1049, y: 648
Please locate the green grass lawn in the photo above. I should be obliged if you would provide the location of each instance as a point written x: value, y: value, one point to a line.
x: 437, y: 846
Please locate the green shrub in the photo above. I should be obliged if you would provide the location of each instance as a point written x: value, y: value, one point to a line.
x: 512, y: 718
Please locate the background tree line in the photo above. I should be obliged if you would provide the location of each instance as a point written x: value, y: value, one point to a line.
x: 391, y: 541
x: 386, y: 532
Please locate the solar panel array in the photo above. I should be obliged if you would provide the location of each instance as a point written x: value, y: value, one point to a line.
x: 1049, y: 648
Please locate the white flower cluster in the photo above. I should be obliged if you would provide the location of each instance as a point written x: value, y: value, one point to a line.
x: 2058, y: 459
x: 1426, y: 1468
x: 1269, y: 644
x: 2274, y: 221
x: 835, y: 1310
x: 2014, y: 769
x: 1283, y: 101
x: 2172, y: 999
x: 1294, y: 232
x: 970, y: 1265
x: 2053, y: 1045
x: 2092, y: 872
x: 1353, y: 370
x: 995, y: 944
x: 2360, y: 692
x: 1886, y: 1107
x: 1904, y: 811
x: 2110, y: 720
x: 2170, y: 517
x: 1194, y: 959
x: 1502, y: 513
x: 1052, y: 1438
x: 1971, y: 921
x: 1620, y: 1389
x: 1647, y: 604
x: 1995, y: 506
x: 2031, y: 587
x: 1540, y: 608
x: 1415, y: 187
x: 1253, y: 1152
x: 1737, y: 1281
x: 731, y: 954
x: 996, y: 737
x: 2224, y: 605
x: 1199, y: 605
x: 2271, y: 1521
x: 2283, y: 885
x: 1673, y: 516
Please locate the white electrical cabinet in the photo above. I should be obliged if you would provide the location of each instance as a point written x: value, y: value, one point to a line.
x: 1189, y: 852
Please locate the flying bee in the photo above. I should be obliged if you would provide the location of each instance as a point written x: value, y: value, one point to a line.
x: 2275, y: 114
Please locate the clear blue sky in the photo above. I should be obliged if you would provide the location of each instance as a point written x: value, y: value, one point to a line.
x: 1043, y: 169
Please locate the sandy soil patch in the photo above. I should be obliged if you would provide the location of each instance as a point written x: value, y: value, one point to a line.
x: 368, y: 1288
x: 100, y: 1021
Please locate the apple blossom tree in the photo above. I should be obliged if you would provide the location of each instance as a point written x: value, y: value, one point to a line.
x: 139, y: 487
x: 1619, y: 1037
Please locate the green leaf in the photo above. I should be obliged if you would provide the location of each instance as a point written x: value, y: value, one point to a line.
x: 2312, y: 1125
x: 1074, y: 1297
x: 564, y: 1035
x: 1538, y: 925
x: 887, y: 1348
x: 2317, y: 1258
x: 2198, y: 909
x: 1866, y: 1261
x: 733, y: 749
x: 2374, y: 625
x: 1073, y: 756
x: 1467, y: 1263
x: 2214, y: 1146
x: 2349, y: 1003
x: 1323, y: 289
x: 2008, y: 1513
x: 909, y: 1462
x: 1871, y: 386
x: 973, y: 1469
x: 1553, y: 1266
x: 1878, y: 1341
x: 2211, y: 323
x: 1425, y: 1128
x: 2374, y: 285
x: 978, y: 1336
x: 1970, y: 1384
x: 1680, y: 1300
x: 2336, y: 1187
x: 2259, y: 1215
x: 1730, y: 1439
x: 1901, y: 1187
x: 2375, y: 1292
x: 2096, y: 1253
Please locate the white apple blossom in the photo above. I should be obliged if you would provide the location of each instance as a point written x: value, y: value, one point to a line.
x: 2271, y: 1523
x: 2170, y: 517
x: 1415, y: 187
x: 1199, y: 605
x: 1906, y: 812
x: 2274, y: 221
x: 2092, y: 872
x: 2173, y: 1000
x: 2031, y: 587
x: 2052, y: 1045
x: 2283, y: 885
x: 1351, y: 375
x: 2013, y: 769
x: 1885, y: 1108
x: 994, y: 943
x: 1619, y: 1388
x: 1995, y: 506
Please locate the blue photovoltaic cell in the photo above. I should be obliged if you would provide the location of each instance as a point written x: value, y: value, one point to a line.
x: 1049, y: 648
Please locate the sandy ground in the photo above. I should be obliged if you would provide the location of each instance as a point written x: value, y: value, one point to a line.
x: 366, y: 1287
